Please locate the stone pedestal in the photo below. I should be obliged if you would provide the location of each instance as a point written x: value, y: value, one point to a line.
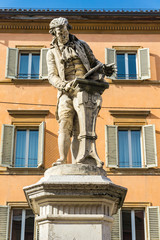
x: 75, y: 202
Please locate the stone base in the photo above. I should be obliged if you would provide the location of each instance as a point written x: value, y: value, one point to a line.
x: 75, y: 202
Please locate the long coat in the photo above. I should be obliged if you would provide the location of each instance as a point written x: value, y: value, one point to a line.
x: 56, y: 66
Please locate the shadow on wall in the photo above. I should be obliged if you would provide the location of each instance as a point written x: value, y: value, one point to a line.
x: 51, y: 148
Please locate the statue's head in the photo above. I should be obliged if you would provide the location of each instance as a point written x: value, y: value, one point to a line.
x: 59, y: 27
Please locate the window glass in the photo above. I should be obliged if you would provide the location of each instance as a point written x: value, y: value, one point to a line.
x: 126, y: 66
x: 123, y: 148
x: 129, y: 148
x: 136, y: 148
x: 26, y: 148
x: 139, y: 224
x: 133, y: 225
x: 29, y: 65
x: 121, y: 66
x: 20, y: 148
x: 126, y: 223
x: 35, y: 66
x: 132, y: 66
x: 29, y: 225
x: 33, y: 148
x: 23, y: 70
x: 22, y: 224
x: 16, y: 224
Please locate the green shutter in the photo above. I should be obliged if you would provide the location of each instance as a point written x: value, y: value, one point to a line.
x: 4, y: 222
x: 110, y: 55
x: 41, y: 143
x: 112, y: 146
x: 116, y: 228
x: 149, y: 140
x: 43, y: 64
x: 144, y: 63
x: 11, y: 63
x: 153, y: 223
x: 7, y: 145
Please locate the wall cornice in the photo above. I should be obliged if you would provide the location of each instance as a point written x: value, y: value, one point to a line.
x: 82, y: 26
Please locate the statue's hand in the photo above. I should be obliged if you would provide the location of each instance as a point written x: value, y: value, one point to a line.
x: 69, y: 86
x: 109, y: 69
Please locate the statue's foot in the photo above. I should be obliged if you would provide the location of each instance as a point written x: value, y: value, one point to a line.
x: 59, y: 162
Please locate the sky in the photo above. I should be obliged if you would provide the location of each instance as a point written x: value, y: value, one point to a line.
x: 81, y: 4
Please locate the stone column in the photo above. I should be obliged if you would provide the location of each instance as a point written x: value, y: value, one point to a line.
x: 75, y: 202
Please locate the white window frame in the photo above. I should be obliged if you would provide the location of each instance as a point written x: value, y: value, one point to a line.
x: 130, y: 145
x: 27, y: 144
x: 126, y: 64
x: 22, y: 223
x: 133, y: 227
x: 30, y: 53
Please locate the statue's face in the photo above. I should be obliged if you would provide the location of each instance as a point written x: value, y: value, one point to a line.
x: 62, y: 34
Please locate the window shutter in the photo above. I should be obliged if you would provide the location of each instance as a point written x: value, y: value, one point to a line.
x: 153, y: 223
x: 41, y: 143
x: 43, y: 64
x: 11, y: 63
x: 110, y: 57
x: 116, y: 228
x: 144, y: 63
x: 7, y: 145
x: 149, y: 140
x: 112, y: 146
x: 4, y: 222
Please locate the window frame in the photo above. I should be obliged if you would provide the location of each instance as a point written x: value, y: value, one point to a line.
x: 129, y: 128
x: 22, y: 223
x: 27, y: 128
x: 126, y: 52
x: 133, y: 227
x: 30, y: 53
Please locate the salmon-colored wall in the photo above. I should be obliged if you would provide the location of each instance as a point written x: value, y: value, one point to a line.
x: 43, y: 96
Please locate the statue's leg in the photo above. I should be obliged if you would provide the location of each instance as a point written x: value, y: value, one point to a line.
x: 65, y: 114
x: 75, y: 141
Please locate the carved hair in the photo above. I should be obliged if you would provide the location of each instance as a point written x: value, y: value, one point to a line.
x: 57, y: 22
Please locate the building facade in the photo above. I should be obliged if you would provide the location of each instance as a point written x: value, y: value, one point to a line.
x: 128, y: 125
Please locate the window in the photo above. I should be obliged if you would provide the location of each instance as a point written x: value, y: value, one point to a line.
x: 22, y: 224
x: 136, y: 224
x: 17, y: 223
x: 126, y: 66
x: 131, y: 147
x: 131, y: 63
x: 27, y: 63
x: 26, y: 148
x: 133, y: 225
x: 22, y: 146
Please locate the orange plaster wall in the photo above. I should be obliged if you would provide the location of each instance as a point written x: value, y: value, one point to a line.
x: 11, y: 187
x: 32, y: 96
x: 140, y: 188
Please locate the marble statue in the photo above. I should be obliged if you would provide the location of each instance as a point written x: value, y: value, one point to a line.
x: 79, y: 78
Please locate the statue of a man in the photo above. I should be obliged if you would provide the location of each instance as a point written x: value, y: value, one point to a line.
x: 68, y: 59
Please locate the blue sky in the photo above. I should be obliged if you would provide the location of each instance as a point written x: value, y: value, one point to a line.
x: 116, y: 4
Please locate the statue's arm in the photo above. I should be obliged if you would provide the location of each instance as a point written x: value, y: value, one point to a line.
x: 107, y: 70
x: 53, y: 76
